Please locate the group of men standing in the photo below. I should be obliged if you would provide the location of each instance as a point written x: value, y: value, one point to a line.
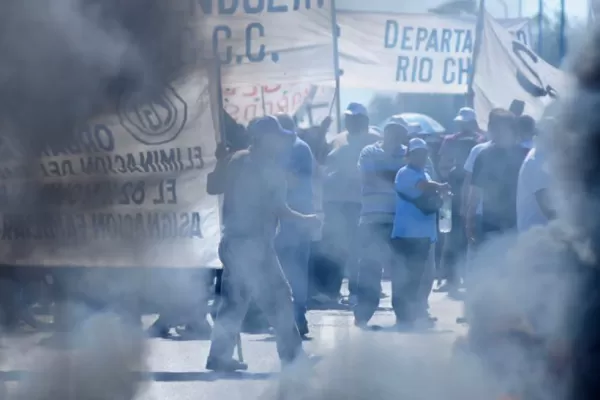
x: 379, y: 211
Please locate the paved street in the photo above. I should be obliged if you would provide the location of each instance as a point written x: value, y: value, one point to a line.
x: 178, y: 366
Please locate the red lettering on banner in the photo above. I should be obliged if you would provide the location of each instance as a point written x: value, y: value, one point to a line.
x: 250, y: 112
x: 284, y: 104
x: 273, y: 89
x: 297, y: 99
x: 229, y: 91
x: 232, y: 110
x: 253, y: 93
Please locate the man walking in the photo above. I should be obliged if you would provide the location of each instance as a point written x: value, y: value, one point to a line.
x: 378, y: 164
x: 253, y: 184
x: 293, y: 241
x: 342, y: 197
x: 495, y: 177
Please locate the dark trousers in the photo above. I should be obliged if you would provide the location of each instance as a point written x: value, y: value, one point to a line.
x: 338, y: 254
x: 293, y: 252
x: 374, y: 254
x: 251, y: 270
x: 407, y: 277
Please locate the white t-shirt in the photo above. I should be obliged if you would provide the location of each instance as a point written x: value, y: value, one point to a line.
x: 533, y: 177
x: 470, y: 163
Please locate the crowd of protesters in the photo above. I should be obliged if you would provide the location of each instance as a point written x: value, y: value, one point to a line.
x: 301, y: 213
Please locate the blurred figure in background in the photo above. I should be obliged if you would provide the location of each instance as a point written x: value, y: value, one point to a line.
x: 526, y: 131
x: 494, y: 180
x: 534, y: 205
x: 315, y: 137
x: 414, y: 230
x: 293, y: 241
x: 378, y: 164
x: 342, y: 198
x: 253, y: 184
x: 454, y: 151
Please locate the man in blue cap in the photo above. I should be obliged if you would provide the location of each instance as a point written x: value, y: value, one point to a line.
x: 253, y: 185
x: 378, y: 164
x: 342, y: 197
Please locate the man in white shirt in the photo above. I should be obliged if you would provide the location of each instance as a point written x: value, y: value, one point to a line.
x: 469, y: 164
x: 533, y: 205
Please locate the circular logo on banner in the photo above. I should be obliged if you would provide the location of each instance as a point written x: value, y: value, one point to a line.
x: 157, y: 121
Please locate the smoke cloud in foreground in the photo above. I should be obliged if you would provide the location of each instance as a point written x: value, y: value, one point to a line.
x: 63, y: 63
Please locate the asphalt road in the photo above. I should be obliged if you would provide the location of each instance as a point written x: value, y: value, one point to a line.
x: 177, y: 369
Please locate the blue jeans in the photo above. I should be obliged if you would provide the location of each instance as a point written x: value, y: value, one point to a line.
x: 293, y: 251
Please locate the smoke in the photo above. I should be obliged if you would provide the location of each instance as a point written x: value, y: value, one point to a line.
x: 100, y: 366
x: 63, y: 63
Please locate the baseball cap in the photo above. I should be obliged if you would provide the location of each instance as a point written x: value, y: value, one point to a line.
x: 268, y: 125
x: 465, y: 114
x: 394, y: 126
x: 286, y: 122
x: 356, y: 109
x: 412, y: 127
x: 417, y: 144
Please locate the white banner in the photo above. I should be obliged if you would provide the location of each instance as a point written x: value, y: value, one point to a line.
x: 244, y: 103
x: 269, y: 41
x: 508, y: 70
x: 410, y: 53
x: 129, y: 190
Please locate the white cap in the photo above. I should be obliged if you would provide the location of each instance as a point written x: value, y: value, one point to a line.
x: 466, y: 114
x: 416, y: 144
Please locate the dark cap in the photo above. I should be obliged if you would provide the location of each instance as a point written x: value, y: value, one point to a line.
x: 268, y: 125
x: 395, y: 127
x: 286, y: 122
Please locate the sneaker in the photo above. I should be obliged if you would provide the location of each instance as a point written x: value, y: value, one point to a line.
x: 230, y: 365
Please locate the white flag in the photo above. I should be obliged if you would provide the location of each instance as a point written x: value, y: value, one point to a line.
x: 508, y: 70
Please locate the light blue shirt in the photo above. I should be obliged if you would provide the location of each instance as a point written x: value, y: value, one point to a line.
x: 378, y: 194
x: 410, y: 222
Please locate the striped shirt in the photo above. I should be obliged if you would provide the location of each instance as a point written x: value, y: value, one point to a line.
x: 378, y: 193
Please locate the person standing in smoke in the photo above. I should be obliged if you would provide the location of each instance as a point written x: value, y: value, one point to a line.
x: 378, y: 163
x: 415, y: 229
x: 293, y: 241
x: 454, y: 151
x: 342, y: 197
x: 534, y: 203
x: 494, y: 179
x: 253, y: 184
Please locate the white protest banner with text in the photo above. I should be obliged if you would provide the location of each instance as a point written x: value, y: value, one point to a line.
x: 508, y: 70
x: 129, y: 190
x: 408, y: 53
x: 269, y: 41
x: 244, y: 103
